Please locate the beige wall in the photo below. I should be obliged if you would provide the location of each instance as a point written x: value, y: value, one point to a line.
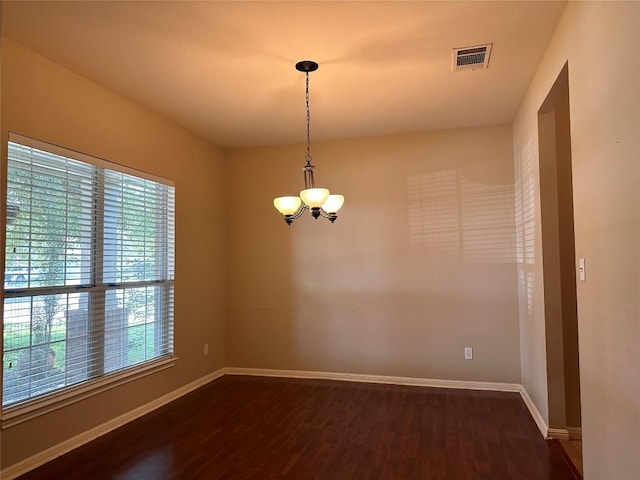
x: 420, y: 264
x: 45, y: 101
x: 601, y: 42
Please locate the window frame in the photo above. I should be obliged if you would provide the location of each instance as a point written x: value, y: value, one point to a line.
x: 93, y: 385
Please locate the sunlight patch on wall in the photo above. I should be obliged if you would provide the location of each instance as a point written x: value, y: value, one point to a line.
x: 525, y: 193
x: 526, y: 206
x: 451, y: 215
x: 434, y: 210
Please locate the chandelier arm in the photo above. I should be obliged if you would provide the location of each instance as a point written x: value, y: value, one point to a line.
x: 289, y: 218
x: 331, y: 216
x: 300, y: 211
x: 323, y: 213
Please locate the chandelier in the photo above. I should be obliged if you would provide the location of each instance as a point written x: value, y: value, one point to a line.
x: 318, y: 201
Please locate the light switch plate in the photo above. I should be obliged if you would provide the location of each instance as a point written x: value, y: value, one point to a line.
x: 582, y: 270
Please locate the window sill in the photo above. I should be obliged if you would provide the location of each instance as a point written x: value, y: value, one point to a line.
x: 27, y: 411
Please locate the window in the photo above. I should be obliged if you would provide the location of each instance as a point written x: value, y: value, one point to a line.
x: 88, y: 280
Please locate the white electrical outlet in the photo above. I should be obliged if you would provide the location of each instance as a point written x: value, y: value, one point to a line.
x: 206, y: 349
x: 468, y: 353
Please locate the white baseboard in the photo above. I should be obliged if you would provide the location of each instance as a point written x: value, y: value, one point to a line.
x: 566, y: 433
x: 533, y: 410
x: 28, y: 464
x: 356, y: 377
x: 558, y: 433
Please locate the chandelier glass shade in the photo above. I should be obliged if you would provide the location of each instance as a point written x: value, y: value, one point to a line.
x: 319, y: 201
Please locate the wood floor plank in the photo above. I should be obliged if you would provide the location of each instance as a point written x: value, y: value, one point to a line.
x: 292, y: 429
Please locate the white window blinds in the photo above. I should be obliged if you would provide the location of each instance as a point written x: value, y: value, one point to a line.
x: 89, y: 268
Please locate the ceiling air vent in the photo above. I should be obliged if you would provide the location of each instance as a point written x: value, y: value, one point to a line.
x: 471, y: 58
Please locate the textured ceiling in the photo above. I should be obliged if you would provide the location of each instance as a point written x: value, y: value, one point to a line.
x: 225, y: 70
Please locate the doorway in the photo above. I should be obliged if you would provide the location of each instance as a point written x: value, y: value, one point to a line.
x: 559, y: 266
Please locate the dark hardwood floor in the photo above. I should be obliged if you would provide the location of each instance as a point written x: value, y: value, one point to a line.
x: 268, y: 428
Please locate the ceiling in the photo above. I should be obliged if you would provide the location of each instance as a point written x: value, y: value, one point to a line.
x: 225, y: 70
